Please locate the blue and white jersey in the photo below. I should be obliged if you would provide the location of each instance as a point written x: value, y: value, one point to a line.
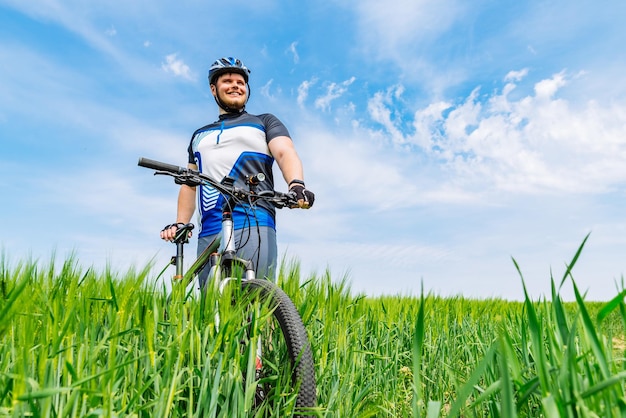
x: 236, y: 145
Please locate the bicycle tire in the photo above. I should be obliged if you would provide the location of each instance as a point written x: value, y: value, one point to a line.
x: 296, y: 340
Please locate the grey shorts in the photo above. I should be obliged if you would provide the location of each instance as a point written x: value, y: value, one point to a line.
x: 255, y: 244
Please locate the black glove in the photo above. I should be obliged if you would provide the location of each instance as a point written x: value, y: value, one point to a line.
x: 302, y: 193
x: 182, y: 233
x: 177, y: 225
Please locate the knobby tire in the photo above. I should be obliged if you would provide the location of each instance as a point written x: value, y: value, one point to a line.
x: 296, y: 339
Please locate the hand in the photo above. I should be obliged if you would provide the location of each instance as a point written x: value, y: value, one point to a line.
x: 168, y: 233
x: 305, y: 197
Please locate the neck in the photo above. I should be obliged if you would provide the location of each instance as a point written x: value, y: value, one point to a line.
x: 226, y: 112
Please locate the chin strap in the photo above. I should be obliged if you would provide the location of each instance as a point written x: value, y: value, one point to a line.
x: 228, y: 109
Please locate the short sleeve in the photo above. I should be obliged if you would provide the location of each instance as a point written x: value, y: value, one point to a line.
x: 192, y: 157
x: 273, y: 127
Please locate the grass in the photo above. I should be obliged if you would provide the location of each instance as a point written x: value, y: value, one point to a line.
x: 78, y: 343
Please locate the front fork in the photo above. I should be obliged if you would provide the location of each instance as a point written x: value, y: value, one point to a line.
x: 227, y: 263
x: 215, y: 273
x: 228, y: 250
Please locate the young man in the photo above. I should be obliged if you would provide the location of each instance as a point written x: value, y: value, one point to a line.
x: 236, y: 145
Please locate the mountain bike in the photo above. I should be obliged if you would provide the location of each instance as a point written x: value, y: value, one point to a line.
x: 283, y: 342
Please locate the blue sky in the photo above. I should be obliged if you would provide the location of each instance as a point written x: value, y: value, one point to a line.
x: 442, y: 138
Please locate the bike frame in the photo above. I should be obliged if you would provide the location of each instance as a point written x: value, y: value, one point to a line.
x: 219, y: 256
x: 221, y: 252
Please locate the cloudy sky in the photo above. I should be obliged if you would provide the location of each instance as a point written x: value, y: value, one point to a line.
x: 443, y: 138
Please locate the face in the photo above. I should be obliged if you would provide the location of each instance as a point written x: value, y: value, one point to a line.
x: 232, y: 90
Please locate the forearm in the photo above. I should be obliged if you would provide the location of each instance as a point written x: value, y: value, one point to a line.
x: 186, y: 204
x: 185, y: 209
x: 291, y: 166
x: 292, y: 169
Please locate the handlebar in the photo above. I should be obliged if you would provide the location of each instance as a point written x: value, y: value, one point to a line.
x: 194, y: 178
x: 158, y: 165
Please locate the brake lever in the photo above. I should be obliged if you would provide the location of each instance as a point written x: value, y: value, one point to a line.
x: 187, y: 180
x: 285, y: 200
x: 163, y: 173
x: 190, y: 180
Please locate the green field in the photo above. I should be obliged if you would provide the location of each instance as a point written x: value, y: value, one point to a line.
x: 75, y: 342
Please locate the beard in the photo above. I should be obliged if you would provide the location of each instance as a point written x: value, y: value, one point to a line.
x: 236, y: 103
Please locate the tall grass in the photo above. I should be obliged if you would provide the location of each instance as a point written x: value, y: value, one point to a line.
x: 75, y: 342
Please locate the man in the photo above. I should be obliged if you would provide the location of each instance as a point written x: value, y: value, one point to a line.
x: 236, y: 145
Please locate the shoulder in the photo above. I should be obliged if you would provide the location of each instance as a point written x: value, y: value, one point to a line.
x: 273, y: 126
x: 268, y: 118
x: 205, y: 128
x: 270, y: 121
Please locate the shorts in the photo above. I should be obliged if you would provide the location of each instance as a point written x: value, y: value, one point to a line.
x: 255, y: 244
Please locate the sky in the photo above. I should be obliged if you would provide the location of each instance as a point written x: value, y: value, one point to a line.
x: 446, y: 141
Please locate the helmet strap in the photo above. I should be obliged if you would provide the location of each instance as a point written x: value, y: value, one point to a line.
x: 227, y: 108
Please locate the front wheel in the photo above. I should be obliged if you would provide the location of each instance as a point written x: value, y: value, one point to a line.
x: 285, y: 353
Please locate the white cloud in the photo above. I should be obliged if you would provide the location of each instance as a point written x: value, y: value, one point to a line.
x: 176, y: 66
x: 516, y: 75
x: 303, y: 90
x: 546, y: 89
x: 354, y: 165
x: 266, y: 89
x: 380, y: 111
x: 428, y: 124
x: 533, y: 144
x: 294, y: 52
x: 333, y: 92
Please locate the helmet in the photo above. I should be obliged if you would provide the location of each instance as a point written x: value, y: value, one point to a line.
x: 227, y: 65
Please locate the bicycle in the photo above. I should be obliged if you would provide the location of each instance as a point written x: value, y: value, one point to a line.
x: 226, y: 267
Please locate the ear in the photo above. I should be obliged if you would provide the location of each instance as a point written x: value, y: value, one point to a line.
x: 213, y: 89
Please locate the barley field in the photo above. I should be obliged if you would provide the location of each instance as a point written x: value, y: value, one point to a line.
x: 75, y: 342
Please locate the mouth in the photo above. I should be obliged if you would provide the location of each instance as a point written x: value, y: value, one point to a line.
x: 234, y: 96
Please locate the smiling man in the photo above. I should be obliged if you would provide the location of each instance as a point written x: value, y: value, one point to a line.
x: 239, y: 144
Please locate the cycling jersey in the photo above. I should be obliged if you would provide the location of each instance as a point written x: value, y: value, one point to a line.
x: 236, y: 145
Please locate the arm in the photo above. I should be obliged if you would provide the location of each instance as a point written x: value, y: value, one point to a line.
x: 287, y: 158
x: 290, y: 165
x: 185, y: 209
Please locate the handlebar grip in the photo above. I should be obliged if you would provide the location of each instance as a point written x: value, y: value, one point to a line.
x: 158, y: 165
